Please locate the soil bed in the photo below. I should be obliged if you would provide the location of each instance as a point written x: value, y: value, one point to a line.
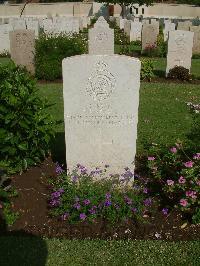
x: 32, y: 206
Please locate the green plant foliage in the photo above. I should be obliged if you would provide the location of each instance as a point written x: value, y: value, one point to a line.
x: 179, y: 72
x: 26, y: 128
x: 51, y: 50
x: 146, y: 69
x: 120, y: 37
x: 90, y: 196
x: 174, y: 176
x: 196, y: 56
x: 6, y: 193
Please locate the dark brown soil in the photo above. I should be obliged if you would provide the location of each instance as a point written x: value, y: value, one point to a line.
x: 33, y: 209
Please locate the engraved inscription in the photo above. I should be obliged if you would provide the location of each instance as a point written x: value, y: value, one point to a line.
x: 102, y: 83
x: 119, y: 120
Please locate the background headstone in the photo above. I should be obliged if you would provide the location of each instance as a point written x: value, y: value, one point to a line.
x: 136, y: 31
x: 196, y: 42
x: 168, y: 27
x: 22, y: 48
x: 184, y: 25
x: 127, y: 27
x: 101, y: 39
x: 4, y: 37
x: 179, y: 49
x: 149, y: 35
x: 101, y: 110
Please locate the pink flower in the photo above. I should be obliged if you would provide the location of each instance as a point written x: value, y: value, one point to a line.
x: 183, y: 202
x: 198, y: 182
x: 151, y: 158
x: 189, y: 164
x: 170, y: 182
x: 173, y: 149
x: 181, y: 180
x: 196, y: 156
x: 191, y: 194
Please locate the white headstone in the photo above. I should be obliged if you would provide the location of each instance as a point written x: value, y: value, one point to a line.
x: 17, y: 23
x: 196, y: 43
x: 179, y: 49
x: 121, y: 24
x: 101, y: 110
x: 101, y: 39
x: 127, y: 27
x: 33, y: 25
x: 184, y: 25
x: 136, y: 31
x: 4, y: 37
x: 149, y: 36
x: 168, y: 27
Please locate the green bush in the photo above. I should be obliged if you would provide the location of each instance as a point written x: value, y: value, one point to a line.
x: 50, y: 51
x: 6, y: 193
x: 146, y: 69
x: 120, y: 37
x: 196, y: 56
x: 26, y: 129
x: 92, y: 196
x: 161, y: 46
x: 179, y: 72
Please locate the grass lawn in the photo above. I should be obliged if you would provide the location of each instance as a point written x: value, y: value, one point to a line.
x: 163, y: 114
x: 18, y: 251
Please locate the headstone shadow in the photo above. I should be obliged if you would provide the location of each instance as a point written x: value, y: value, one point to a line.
x: 19, y: 248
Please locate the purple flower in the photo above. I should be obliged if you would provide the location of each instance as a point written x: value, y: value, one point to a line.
x: 134, y: 210
x: 148, y: 202
x: 93, y: 210
x: 59, y: 169
x: 196, y: 156
x: 128, y: 200
x: 65, y: 216
x: 83, y: 216
x: 173, y: 150
x: 181, y: 180
x: 127, y: 174
x: 107, y: 203
x: 57, y: 193
x: 165, y: 211
x: 86, y: 201
x: 170, y: 182
x: 151, y: 158
x: 77, y: 206
x: 54, y: 202
x: 74, y: 178
x: 108, y: 196
x: 145, y: 190
x: 189, y: 164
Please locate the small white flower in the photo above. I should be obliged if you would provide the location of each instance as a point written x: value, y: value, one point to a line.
x: 157, y: 235
x: 127, y: 231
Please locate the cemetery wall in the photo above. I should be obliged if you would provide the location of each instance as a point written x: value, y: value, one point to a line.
x: 173, y: 10
x: 42, y: 9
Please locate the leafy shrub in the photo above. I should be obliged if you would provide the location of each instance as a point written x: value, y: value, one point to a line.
x: 146, y: 69
x: 196, y: 56
x: 120, y: 37
x: 161, y: 46
x: 5, y: 54
x: 137, y: 43
x: 179, y: 72
x: 83, y: 196
x: 26, y: 129
x: 51, y: 50
x: 174, y: 175
x: 6, y: 192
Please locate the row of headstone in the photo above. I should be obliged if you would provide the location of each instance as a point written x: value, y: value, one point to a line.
x: 147, y: 31
x: 54, y: 26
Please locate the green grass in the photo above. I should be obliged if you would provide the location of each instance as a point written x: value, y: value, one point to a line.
x: 160, y: 67
x: 19, y: 251
x: 5, y: 60
x: 163, y: 114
